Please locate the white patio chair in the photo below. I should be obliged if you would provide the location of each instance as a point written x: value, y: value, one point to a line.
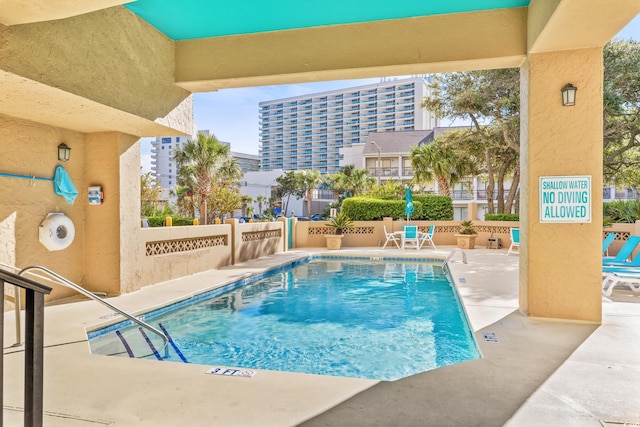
x: 515, y: 241
x: 391, y: 237
x: 428, y: 237
x: 411, y: 237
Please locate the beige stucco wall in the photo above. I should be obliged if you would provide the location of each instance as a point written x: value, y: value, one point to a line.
x: 262, y: 239
x: 371, y: 233
x: 560, y: 264
x: 109, y: 56
x: 113, y: 228
x: 24, y: 204
x: 159, y: 268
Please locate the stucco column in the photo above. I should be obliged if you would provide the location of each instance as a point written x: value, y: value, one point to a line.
x: 560, y: 263
x: 112, y: 230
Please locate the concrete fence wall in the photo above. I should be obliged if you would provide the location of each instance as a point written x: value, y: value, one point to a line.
x: 311, y: 234
x: 172, y: 252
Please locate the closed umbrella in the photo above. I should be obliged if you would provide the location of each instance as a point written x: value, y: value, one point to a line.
x: 408, y: 207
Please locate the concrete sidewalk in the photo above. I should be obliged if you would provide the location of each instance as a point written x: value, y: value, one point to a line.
x: 538, y: 373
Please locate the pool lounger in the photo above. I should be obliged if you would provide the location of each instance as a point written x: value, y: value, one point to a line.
x: 610, y: 280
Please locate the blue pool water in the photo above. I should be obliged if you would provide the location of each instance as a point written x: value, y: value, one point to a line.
x: 360, y: 318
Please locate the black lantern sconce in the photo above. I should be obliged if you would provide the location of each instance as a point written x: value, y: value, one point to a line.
x: 569, y: 95
x: 64, y: 152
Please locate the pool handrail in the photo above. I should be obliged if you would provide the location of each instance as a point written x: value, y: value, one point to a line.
x: 452, y: 253
x: 68, y: 283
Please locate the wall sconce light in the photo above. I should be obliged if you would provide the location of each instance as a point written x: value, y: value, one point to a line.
x: 64, y: 152
x: 569, y: 95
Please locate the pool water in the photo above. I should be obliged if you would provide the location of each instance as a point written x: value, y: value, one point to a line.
x: 380, y: 320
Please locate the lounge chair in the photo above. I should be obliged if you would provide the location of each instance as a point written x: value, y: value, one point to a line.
x: 610, y: 280
x: 391, y: 237
x: 622, y: 258
x: 410, y: 236
x: 428, y: 237
x: 607, y: 242
x: 515, y: 241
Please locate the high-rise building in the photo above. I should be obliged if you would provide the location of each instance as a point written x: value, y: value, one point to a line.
x: 307, y: 132
x: 166, y: 170
x: 162, y: 164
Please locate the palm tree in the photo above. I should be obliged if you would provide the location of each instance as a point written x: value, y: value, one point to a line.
x: 261, y: 201
x: 435, y: 161
x: 307, y: 181
x: 359, y: 180
x: 246, y: 201
x: 200, y: 162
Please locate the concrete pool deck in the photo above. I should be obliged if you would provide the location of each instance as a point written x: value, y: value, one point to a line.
x: 534, y: 372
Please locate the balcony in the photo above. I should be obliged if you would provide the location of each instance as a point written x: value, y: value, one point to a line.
x: 383, y: 172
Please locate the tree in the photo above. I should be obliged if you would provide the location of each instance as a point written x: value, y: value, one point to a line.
x: 286, y: 188
x: 201, y: 162
x: 223, y: 201
x: 150, y: 192
x: 246, y: 200
x: 435, y: 162
x: 622, y: 112
x: 262, y: 200
x: 390, y: 189
x: 489, y: 99
x: 306, y: 181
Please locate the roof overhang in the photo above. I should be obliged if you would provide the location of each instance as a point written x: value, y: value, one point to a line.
x: 48, y: 105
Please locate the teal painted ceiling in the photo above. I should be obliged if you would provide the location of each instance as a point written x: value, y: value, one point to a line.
x: 194, y: 19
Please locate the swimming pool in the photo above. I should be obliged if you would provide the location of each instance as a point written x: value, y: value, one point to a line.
x: 364, y: 318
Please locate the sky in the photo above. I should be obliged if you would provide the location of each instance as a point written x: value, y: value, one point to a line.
x: 232, y: 114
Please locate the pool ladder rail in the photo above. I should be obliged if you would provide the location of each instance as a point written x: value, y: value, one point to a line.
x: 452, y: 253
x: 69, y: 284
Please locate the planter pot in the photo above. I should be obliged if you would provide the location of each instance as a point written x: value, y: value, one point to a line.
x: 334, y: 241
x: 466, y: 241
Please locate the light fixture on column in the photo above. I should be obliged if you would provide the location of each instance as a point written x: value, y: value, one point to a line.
x: 64, y: 152
x: 569, y: 95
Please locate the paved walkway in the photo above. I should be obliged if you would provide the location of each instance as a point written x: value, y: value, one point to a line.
x: 538, y: 373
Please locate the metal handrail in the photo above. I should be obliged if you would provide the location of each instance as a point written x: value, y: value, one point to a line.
x: 65, y: 282
x: 452, y: 253
x: 17, y: 303
x: 34, y: 346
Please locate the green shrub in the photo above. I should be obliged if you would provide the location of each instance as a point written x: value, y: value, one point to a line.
x: 627, y: 211
x: 435, y: 208
x: 502, y: 217
x: 370, y: 209
x: 426, y: 207
x: 158, y: 221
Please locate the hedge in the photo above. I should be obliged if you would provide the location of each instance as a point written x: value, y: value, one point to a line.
x: 158, y: 221
x: 434, y: 208
x: 502, y: 217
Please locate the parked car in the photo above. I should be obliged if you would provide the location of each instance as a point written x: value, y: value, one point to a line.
x: 318, y: 217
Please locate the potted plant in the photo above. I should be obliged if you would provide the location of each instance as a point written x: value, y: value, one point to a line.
x: 338, y: 223
x: 466, y: 238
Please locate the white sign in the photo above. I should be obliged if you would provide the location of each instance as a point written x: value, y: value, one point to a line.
x: 565, y: 199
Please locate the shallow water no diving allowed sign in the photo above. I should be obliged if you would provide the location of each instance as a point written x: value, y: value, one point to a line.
x: 565, y: 199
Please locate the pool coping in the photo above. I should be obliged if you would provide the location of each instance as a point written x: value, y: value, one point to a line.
x: 147, y: 315
x: 535, y: 368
